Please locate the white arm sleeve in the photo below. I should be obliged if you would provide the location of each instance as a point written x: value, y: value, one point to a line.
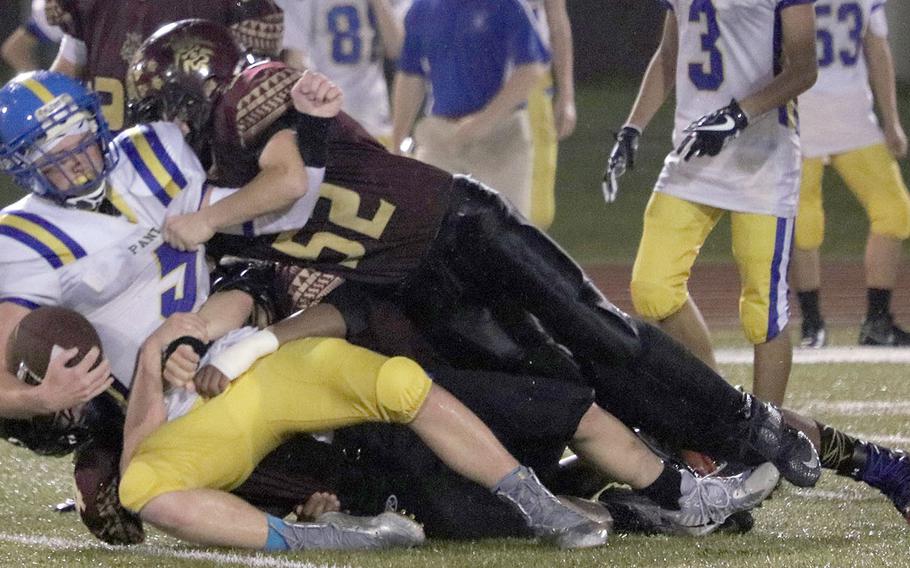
x: 878, y: 21
x: 73, y: 50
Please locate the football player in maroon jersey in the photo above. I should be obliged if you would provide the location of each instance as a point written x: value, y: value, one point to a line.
x: 101, y: 36
x: 435, y: 242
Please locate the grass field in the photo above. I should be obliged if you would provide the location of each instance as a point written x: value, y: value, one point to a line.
x: 840, y: 523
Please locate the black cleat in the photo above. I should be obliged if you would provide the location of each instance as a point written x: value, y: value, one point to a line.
x: 881, y: 330
x: 797, y: 459
x: 889, y: 472
x: 788, y: 449
x: 815, y: 335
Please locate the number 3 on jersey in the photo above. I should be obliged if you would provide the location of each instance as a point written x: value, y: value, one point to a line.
x: 178, y: 279
x: 707, y: 76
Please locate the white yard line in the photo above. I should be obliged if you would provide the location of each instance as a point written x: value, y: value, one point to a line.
x: 857, y: 407
x: 826, y: 355
x: 218, y: 558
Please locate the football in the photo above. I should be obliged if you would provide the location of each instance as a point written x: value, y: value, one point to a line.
x: 32, y: 343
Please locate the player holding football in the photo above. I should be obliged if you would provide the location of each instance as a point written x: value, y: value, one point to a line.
x: 838, y: 128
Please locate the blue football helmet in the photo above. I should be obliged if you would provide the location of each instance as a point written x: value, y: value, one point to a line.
x: 37, y: 111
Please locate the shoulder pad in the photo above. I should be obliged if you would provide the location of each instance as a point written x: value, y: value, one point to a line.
x: 257, y: 98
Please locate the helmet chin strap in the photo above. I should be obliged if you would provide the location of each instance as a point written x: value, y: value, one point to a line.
x: 90, y: 201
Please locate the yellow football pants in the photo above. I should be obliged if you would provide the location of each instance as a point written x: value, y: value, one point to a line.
x: 308, y: 385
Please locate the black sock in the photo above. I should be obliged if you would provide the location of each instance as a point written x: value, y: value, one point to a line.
x: 879, y: 302
x: 838, y: 451
x: 808, y: 305
x: 665, y: 491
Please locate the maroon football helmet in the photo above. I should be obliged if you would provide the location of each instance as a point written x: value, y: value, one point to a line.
x: 179, y: 72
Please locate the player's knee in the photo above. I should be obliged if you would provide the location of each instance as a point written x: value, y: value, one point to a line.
x: 139, y: 485
x: 401, y: 387
x: 760, y: 326
x: 657, y: 300
x: 891, y: 218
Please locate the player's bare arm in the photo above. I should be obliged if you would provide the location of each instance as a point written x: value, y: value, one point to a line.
x: 63, y: 387
x: 564, y: 112
x: 513, y: 92
x: 799, y: 67
x: 322, y: 320
x: 407, y: 96
x: 146, y: 410
x: 282, y: 179
x: 18, y: 50
x: 391, y: 28
x: 880, y: 62
x: 656, y: 86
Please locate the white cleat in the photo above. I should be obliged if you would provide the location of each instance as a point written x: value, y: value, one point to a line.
x: 706, y: 502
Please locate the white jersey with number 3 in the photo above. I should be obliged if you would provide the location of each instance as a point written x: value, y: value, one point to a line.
x: 731, y: 49
x: 836, y: 114
x: 115, y: 270
x: 341, y: 41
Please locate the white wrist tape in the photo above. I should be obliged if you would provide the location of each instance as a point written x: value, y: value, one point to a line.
x: 238, y: 358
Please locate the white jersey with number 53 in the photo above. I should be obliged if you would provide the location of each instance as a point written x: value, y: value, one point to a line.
x: 836, y: 113
x: 731, y: 49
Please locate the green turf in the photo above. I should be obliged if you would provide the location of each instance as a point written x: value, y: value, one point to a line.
x: 839, y: 524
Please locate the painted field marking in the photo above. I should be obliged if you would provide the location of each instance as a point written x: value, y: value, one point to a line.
x: 858, y: 407
x: 218, y: 558
x: 825, y: 355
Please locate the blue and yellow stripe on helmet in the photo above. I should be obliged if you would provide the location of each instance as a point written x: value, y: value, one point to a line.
x: 155, y: 166
x: 42, y: 236
x: 39, y: 90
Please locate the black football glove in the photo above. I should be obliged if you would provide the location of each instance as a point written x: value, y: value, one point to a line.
x: 708, y: 135
x: 621, y: 158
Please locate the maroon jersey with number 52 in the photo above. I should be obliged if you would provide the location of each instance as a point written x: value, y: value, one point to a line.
x: 112, y: 30
x: 377, y: 213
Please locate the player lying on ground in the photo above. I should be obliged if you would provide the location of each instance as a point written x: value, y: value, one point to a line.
x: 697, y: 505
x: 433, y: 240
x: 459, y: 245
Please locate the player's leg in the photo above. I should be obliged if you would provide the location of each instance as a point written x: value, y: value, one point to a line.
x: 874, y: 177
x: 503, y: 160
x: 353, y: 385
x: 674, y: 231
x: 544, y: 141
x: 761, y: 247
x: 610, y: 446
x: 639, y: 380
x: 880, y: 467
x: 808, y: 237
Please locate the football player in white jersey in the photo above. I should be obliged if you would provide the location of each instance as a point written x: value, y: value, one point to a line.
x: 59, y: 249
x: 348, y: 41
x: 839, y: 128
x: 737, y: 67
